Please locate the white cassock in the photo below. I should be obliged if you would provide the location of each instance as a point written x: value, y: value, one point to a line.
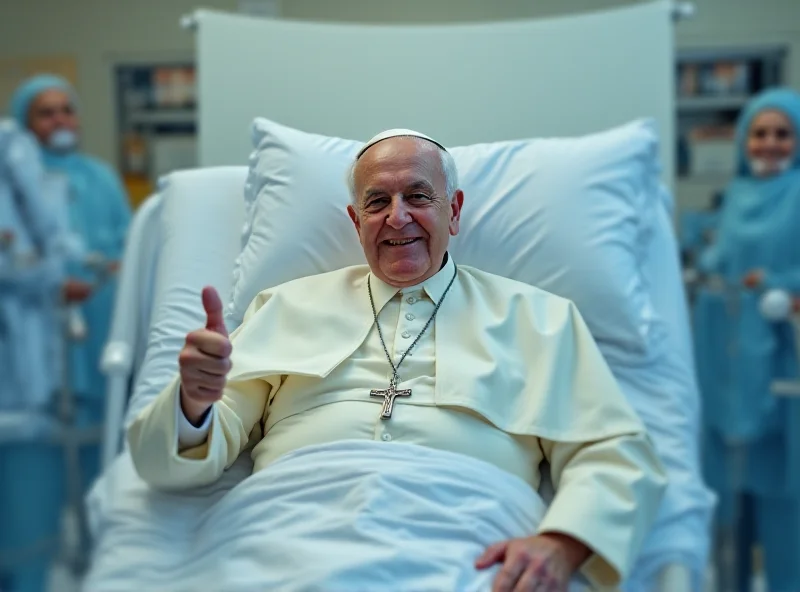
x: 507, y: 374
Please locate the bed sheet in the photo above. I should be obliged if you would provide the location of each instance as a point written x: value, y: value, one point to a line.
x: 352, y: 515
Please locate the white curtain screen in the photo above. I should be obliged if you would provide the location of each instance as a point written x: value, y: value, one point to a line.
x: 461, y: 83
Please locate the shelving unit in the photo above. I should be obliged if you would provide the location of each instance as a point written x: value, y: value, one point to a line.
x: 713, y: 87
x: 157, y: 122
x: 697, y: 104
x: 158, y: 117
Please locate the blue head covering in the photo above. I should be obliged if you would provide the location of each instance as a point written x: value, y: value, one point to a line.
x: 33, y: 87
x: 784, y: 100
x: 742, y: 353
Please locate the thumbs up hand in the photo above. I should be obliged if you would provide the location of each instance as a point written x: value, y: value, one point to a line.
x: 213, y: 307
x: 204, y: 361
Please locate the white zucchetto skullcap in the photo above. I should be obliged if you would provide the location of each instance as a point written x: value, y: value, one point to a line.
x: 396, y: 133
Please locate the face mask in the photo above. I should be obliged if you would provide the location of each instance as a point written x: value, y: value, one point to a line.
x: 62, y: 140
x: 762, y: 168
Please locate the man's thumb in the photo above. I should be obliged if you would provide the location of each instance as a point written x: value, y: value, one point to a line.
x: 213, y: 307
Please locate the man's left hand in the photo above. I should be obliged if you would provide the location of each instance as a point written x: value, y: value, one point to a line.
x: 543, y: 563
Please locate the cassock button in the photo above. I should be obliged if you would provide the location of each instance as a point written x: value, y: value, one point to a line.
x: 386, y: 437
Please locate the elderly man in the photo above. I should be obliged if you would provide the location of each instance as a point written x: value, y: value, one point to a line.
x: 416, y: 349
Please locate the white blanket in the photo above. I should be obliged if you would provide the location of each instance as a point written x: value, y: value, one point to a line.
x: 355, y: 515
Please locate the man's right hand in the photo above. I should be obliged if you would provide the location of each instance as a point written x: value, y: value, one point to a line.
x: 204, y: 361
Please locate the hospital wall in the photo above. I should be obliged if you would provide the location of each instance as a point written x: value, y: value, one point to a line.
x: 101, y: 33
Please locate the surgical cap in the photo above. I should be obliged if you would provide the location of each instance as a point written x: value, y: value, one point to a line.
x: 27, y: 92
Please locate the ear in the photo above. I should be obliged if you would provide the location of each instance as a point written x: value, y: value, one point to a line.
x: 455, y: 211
x: 351, y: 211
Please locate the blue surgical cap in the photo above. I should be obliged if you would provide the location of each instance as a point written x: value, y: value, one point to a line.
x: 30, y: 89
x: 785, y: 100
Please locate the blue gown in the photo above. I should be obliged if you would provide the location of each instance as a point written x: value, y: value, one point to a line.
x: 29, y: 356
x: 752, y: 437
x: 99, y: 213
x: 28, y: 292
x: 32, y: 474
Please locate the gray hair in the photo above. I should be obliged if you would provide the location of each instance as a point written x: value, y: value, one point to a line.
x: 448, y: 167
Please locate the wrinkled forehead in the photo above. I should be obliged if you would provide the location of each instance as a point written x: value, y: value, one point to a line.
x: 399, y: 162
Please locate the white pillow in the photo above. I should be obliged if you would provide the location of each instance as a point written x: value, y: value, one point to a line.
x: 568, y: 215
x: 201, y: 220
x: 664, y: 394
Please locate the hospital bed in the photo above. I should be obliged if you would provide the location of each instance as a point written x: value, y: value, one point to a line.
x: 124, y: 351
x: 208, y: 202
x: 195, y: 205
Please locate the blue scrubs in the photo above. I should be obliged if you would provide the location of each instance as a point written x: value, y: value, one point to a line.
x: 32, y: 474
x: 752, y: 437
x: 29, y: 291
x: 29, y: 354
x: 100, y: 215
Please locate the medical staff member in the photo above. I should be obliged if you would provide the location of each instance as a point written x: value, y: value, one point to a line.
x: 752, y: 435
x: 31, y: 273
x: 99, y: 213
x: 31, y: 276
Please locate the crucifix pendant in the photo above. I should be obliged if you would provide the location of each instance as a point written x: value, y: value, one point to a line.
x: 388, y: 398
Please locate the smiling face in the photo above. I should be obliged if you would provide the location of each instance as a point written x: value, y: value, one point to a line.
x: 771, y: 142
x: 401, y: 210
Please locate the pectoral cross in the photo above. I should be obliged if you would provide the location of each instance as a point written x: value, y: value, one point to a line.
x: 388, y: 398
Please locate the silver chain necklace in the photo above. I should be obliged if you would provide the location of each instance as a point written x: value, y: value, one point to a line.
x: 388, y: 395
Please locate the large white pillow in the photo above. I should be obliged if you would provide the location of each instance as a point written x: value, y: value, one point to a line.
x: 200, y: 225
x: 569, y: 215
